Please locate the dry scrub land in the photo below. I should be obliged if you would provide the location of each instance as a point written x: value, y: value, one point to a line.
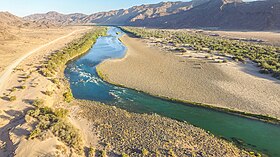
x: 25, y: 85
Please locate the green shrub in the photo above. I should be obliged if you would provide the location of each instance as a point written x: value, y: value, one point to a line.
x: 68, y: 97
x: 157, y: 153
x: 171, y: 153
x: 54, y: 120
x: 13, y: 89
x: 61, y: 113
x: 48, y: 93
x: 22, y: 87
x: 125, y: 155
x: 46, y: 72
x: 103, y: 153
x: 38, y: 102
x: 91, y: 152
x: 145, y: 152
x: 55, y: 81
x: 12, y: 98
x: 34, y: 133
x: 67, y: 134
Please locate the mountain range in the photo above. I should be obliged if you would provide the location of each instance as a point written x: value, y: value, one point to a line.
x: 10, y: 25
x: 213, y: 14
x: 115, y: 17
x: 218, y: 14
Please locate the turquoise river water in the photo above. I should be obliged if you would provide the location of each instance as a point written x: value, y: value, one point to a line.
x: 85, y: 84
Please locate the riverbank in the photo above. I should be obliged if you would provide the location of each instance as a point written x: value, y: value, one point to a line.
x: 197, y: 79
x: 22, y: 87
x: 122, y: 132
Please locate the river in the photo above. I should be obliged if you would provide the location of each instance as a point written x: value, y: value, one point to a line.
x: 86, y: 84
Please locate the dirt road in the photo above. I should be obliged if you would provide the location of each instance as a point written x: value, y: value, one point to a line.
x: 7, y: 72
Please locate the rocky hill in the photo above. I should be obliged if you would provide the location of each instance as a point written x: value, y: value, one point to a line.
x: 56, y: 18
x: 7, y: 22
x: 11, y: 24
x: 7, y: 19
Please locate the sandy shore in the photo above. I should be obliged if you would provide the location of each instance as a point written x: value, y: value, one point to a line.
x: 197, y: 79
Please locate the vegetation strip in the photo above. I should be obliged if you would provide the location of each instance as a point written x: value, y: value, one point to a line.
x: 46, y: 119
x: 57, y: 60
x: 267, y: 57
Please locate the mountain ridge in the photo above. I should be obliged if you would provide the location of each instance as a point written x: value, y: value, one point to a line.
x: 258, y: 15
x: 56, y: 18
x: 213, y: 14
x: 121, y: 16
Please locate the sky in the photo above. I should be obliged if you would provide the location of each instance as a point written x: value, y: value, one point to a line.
x: 26, y: 7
